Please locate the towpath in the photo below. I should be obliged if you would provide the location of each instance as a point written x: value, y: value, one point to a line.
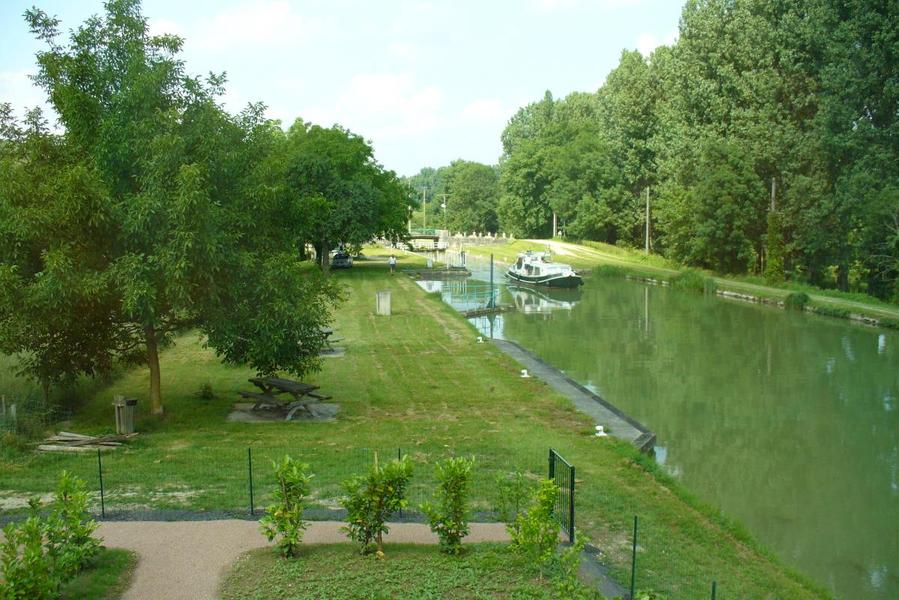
x: 616, y: 422
x: 187, y: 559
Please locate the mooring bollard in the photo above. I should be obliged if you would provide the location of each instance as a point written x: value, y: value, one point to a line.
x: 382, y: 303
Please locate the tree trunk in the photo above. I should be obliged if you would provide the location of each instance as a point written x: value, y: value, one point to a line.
x: 326, y: 257
x: 843, y: 277
x: 153, y: 363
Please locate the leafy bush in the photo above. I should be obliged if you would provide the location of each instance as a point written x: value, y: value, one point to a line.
x: 796, y: 301
x: 26, y: 566
x: 371, y: 499
x: 609, y: 271
x: 285, y: 514
x: 535, y: 531
x: 448, y: 518
x: 69, y: 528
x: 832, y: 311
x: 691, y: 280
x: 205, y: 392
x: 513, y: 491
x: 42, y: 552
x: 566, y: 564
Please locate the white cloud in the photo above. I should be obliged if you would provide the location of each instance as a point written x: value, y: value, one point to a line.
x: 647, y: 42
x: 383, y: 106
x: 17, y: 88
x: 401, y: 49
x: 162, y: 26
x: 485, y: 109
x: 268, y: 23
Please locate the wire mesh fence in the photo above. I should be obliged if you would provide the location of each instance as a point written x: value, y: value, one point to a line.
x: 653, y: 567
x: 177, y: 481
x: 184, y: 482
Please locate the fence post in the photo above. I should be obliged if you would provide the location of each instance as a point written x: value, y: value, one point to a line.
x: 552, y: 464
x: 492, y: 303
x: 399, y: 456
x: 714, y: 589
x: 634, y: 559
x: 571, y: 506
x: 102, y: 499
x: 250, y: 473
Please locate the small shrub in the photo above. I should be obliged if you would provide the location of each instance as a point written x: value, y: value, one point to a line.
x: 832, y: 311
x: 205, y: 392
x: 70, y: 529
x: 42, y: 552
x: 448, y: 518
x: 796, y: 301
x: 609, y: 271
x: 535, y: 532
x: 285, y: 515
x: 25, y: 565
x: 513, y: 491
x: 371, y: 499
x: 567, y: 562
x: 691, y: 280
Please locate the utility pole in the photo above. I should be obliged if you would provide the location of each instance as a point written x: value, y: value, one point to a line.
x: 647, y: 220
x: 444, y: 212
x: 424, y: 208
x: 555, y: 225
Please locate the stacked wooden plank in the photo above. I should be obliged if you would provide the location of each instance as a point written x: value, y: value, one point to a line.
x: 66, y: 441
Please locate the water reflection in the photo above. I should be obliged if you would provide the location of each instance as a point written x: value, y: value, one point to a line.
x: 785, y: 421
x: 544, y: 300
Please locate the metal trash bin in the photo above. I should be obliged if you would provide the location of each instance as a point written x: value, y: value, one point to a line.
x: 382, y: 303
x: 124, y: 414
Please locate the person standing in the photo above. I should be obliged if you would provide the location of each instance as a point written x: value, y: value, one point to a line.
x: 392, y: 262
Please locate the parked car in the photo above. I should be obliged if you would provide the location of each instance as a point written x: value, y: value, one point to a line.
x: 341, y: 260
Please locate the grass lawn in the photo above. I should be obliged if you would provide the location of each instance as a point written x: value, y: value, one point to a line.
x: 107, y: 579
x: 594, y: 254
x: 339, y: 572
x: 417, y: 381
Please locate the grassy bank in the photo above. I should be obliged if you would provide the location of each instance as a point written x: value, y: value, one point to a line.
x: 408, y: 571
x: 418, y: 381
x: 106, y: 579
x: 594, y: 254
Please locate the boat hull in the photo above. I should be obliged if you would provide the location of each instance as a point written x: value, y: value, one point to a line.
x: 557, y: 281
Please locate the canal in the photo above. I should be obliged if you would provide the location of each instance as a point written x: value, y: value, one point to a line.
x: 786, y: 422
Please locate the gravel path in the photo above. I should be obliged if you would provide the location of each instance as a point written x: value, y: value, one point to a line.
x: 186, y: 559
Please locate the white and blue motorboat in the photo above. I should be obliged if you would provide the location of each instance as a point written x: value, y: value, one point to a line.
x: 534, y: 268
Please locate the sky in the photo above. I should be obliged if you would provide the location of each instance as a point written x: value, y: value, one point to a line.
x: 426, y: 82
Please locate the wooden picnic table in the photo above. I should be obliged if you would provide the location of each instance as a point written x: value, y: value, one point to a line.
x: 302, y: 394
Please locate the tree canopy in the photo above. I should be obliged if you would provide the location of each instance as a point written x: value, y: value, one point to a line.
x: 155, y: 212
x: 766, y: 137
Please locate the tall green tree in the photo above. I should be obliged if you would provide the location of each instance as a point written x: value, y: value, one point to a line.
x: 186, y: 243
x: 472, y: 190
x: 54, y: 311
x: 346, y: 197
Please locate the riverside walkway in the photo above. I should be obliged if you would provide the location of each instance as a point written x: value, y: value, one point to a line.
x: 617, y: 423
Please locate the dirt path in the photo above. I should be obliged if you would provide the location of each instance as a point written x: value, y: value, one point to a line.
x: 187, y: 559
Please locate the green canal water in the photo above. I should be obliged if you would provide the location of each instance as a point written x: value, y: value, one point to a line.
x: 788, y: 423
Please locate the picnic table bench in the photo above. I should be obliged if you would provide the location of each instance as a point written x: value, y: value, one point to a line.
x: 299, y: 395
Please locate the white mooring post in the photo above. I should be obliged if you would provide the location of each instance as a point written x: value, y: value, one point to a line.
x: 382, y: 303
